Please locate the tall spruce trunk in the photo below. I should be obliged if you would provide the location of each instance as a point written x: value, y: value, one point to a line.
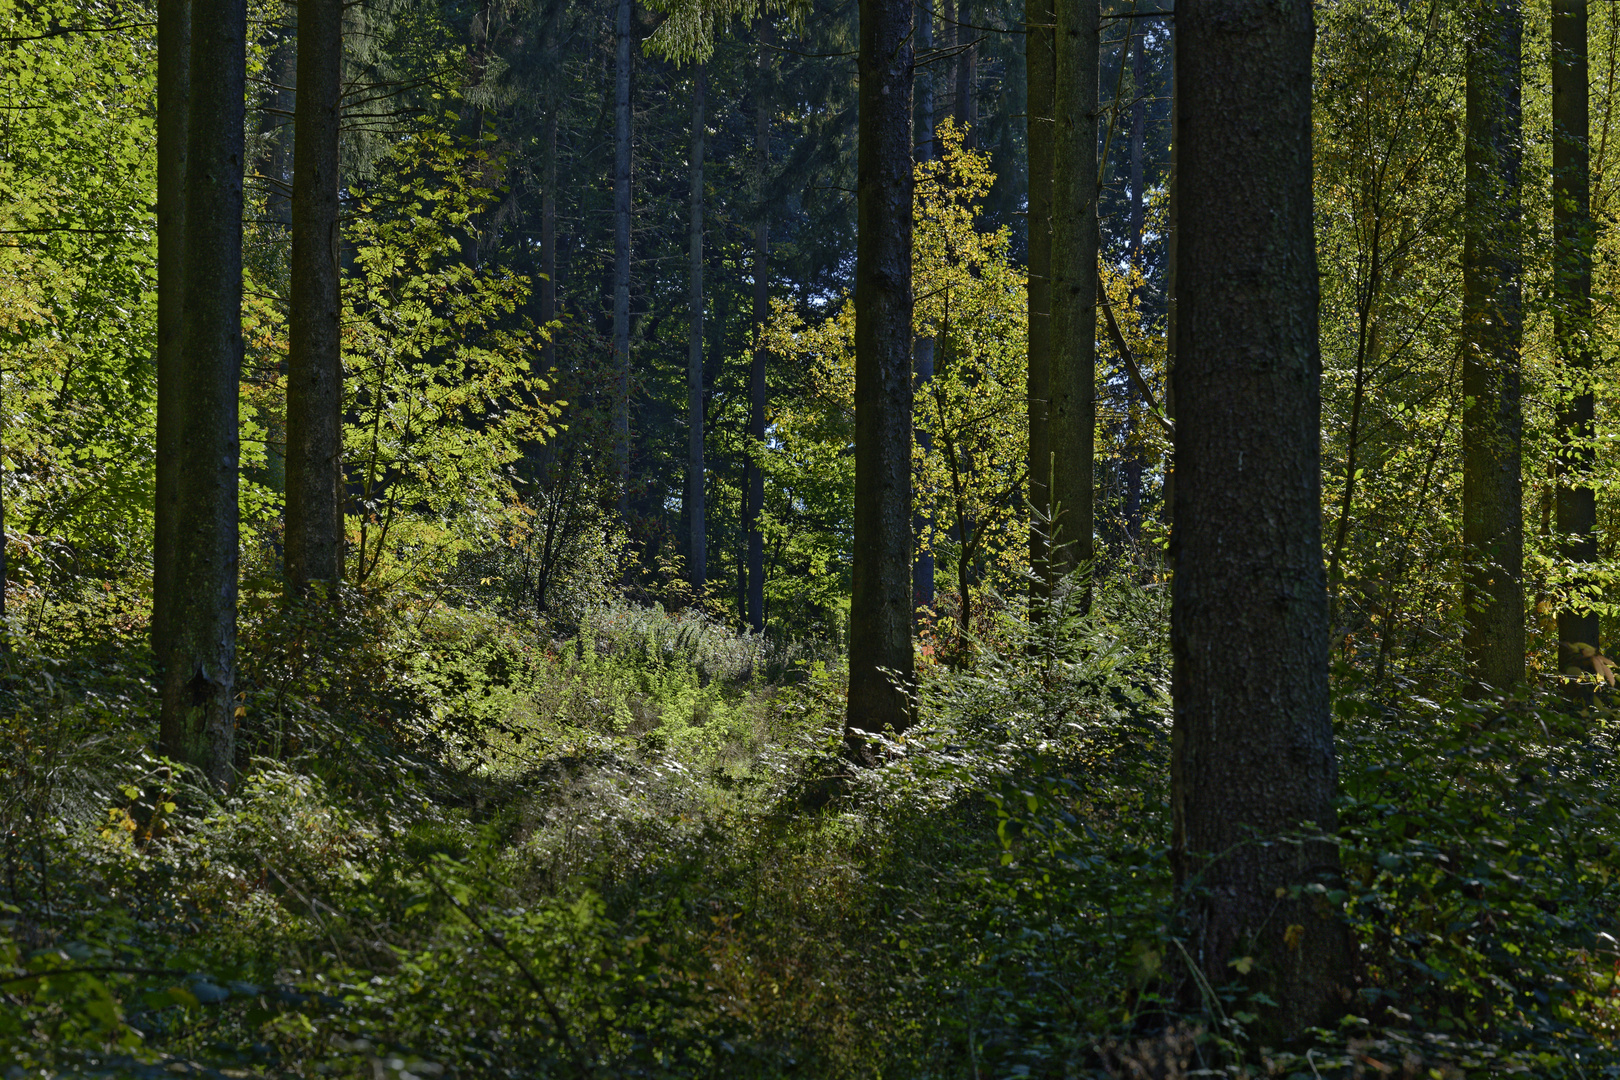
x: 173, y: 94
x: 1574, y: 239
x: 1252, y: 746
x: 621, y: 258
x: 1039, y: 63
x: 314, y: 533
x: 198, y: 724
x: 755, y: 489
x: 1492, y: 331
x: 880, y: 650
x: 698, y: 536
x: 922, y: 564
x: 1073, y: 410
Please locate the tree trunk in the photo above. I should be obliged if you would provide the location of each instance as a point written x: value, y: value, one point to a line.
x: 1574, y: 239
x: 1074, y: 281
x: 277, y: 128
x: 548, y: 238
x: 922, y: 566
x: 697, y: 563
x: 173, y: 93
x: 621, y: 258
x: 314, y: 537
x: 967, y: 74
x: 1252, y: 748
x: 1493, y: 330
x: 1172, y: 256
x: 755, y: 492
x: 1133, y: 452
x: 880, y: 655
x: 1039, y: 61
x: 198, y: 723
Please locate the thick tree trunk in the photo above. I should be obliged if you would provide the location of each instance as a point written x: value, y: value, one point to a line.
x: 1039, y: 65
x: 698, y: 545
x: 755, y: 492
x: 314, y: 536
x: 621, y: 258
x: 1253, y: 755
x: 1493, y: 330
x: 174, y: 89
x: 198, y: 723
x: 1072, y: 419
x: 1574, y: 239
x: 922, y: 566
x: 880, y: 653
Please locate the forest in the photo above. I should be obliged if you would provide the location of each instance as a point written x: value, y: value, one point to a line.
x: 809, y: 538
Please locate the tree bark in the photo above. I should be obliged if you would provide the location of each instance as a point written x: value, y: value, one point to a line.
x: 1039, y: 62
x: 198, y: 724
x: 1252, y: 748
x: 314, y: 536
x: 1574, y: 239
x: 697, y: 563
x: 755, y: 492
x: 1493, y: 330
x: 174, y: 66
x: 922, y: 566
x: 880, y: 650
x: 1073, y: 414
x: 621, y: 257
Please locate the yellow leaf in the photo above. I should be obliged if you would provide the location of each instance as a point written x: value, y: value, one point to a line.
x: 1292, y: 936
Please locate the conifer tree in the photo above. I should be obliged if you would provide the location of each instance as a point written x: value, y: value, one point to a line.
x: 880, y: 648
x: 1252, y: 750
x: 198, y: 724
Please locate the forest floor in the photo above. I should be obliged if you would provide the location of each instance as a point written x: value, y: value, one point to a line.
x: 633, y: 850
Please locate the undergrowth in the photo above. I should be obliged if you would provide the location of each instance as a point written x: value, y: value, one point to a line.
x: 461, y: 847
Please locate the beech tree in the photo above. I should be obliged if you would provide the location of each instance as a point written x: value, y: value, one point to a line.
x: 1492, y: 334
x: 1253, y: 756
x: 314, y: 523
x: 198, y: 724
x: 880, y: 650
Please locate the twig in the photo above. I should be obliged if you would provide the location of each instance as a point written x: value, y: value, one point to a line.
x: 1131, y: 369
